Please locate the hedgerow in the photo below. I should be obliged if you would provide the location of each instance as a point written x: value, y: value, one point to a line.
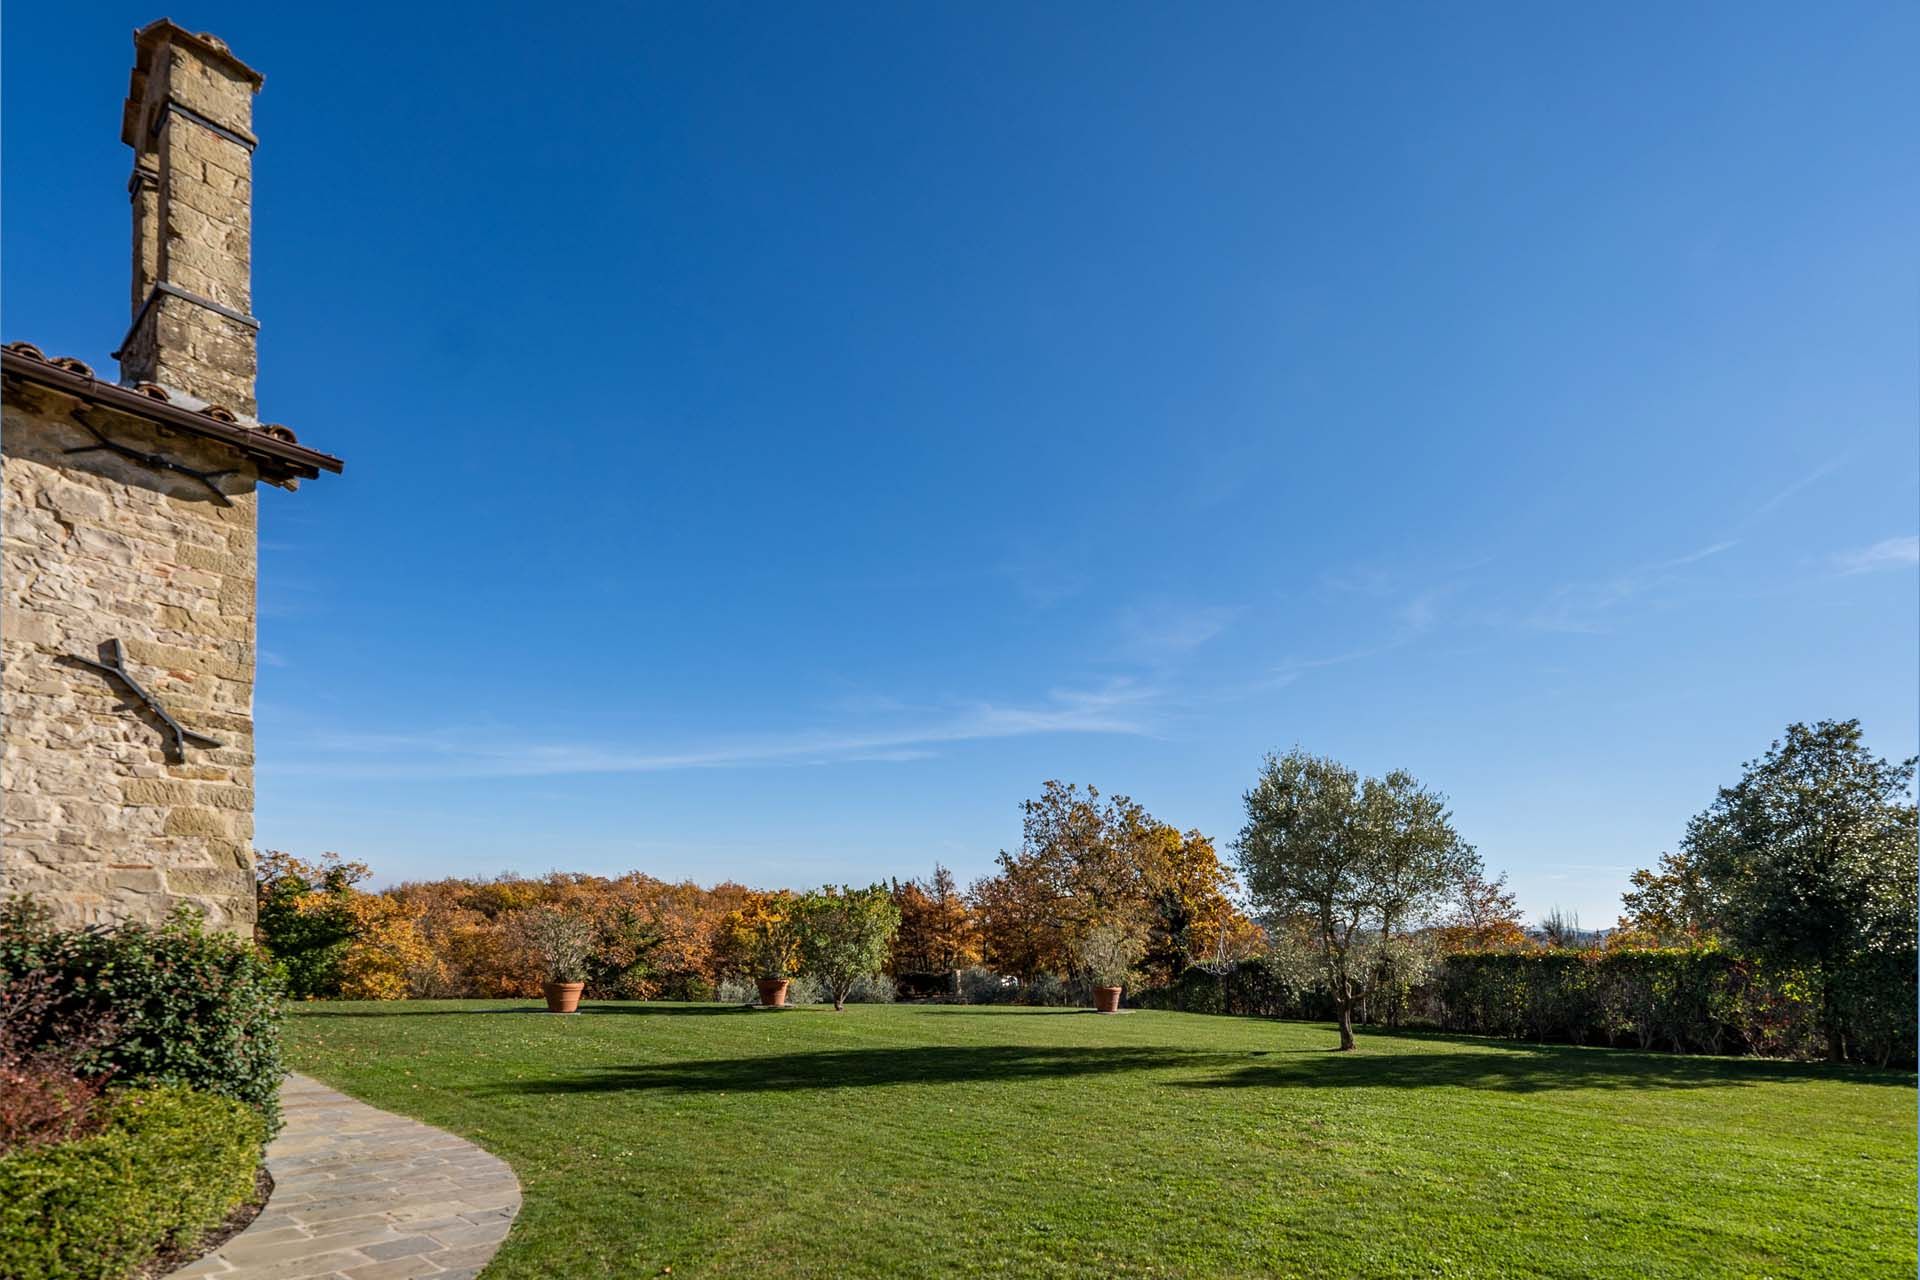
x: 170, y: 1165
x: 1683, y: 999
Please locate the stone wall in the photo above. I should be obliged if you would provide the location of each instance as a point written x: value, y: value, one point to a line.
x: 98, y: 821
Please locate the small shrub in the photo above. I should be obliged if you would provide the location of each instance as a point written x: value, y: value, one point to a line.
x: 44, y: 1096
x: 738, y: 991
x: 1195, y: 991
x: 691, y: 987
x: 187, y: 1007
x: 874, y: 988
x: 983, y: 986
x: 169, y: 1165
x: 1055, y: 991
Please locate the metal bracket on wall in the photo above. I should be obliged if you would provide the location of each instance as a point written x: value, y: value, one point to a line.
x: 206, y: 478
x: 116, y: 666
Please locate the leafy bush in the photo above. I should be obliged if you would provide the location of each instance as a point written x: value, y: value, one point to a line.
x: 803, y: 989
x: 874, y: 988
x: 1052, y: 990
x: 170, y: 1165
x: 188, y: 1007
x: 44, y: 1096
x: 688, y: 987
x: 305, y: 917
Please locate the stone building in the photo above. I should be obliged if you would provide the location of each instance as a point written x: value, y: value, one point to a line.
x: 128, y: 538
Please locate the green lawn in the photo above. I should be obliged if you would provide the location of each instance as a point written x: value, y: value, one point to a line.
x: 944, y: 1140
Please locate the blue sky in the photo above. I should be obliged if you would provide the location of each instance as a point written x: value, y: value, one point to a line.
x: 779, y: 438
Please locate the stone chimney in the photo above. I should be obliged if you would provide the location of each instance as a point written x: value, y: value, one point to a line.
x: 188, y: 118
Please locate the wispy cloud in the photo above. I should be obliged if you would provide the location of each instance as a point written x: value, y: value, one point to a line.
x: 1583, y: 606
x: 1889, y: 553
x: 1155, y: 634
x: 1421, y: 612
x: 1291, y: 669
x: 1820, y: 472
x: 482, y: 751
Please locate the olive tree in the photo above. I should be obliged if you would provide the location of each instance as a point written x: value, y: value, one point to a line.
x: 1361, y: 859
x: 844, y: 934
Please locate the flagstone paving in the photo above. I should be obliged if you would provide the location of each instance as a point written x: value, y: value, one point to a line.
x: 362, y: 1194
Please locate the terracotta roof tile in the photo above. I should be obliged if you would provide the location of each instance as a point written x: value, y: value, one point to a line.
x: 306, y: 459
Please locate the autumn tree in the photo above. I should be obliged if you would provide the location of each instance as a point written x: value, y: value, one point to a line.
x: 1357, y: 857
x: 1022, y: 926
x: 387, y: 958
x: 937, y: 930
x: 1484, y: 916
x: 1085, y: 861
x: 1187, y: 895
x: 1670, y: 904
x: 842, y: 935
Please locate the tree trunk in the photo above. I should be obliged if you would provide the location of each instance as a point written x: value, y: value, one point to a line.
x: 1346, y: 1024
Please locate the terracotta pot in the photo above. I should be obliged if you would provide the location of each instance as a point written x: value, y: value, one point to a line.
x: 1107, y: 999
x: 773, y: 992
x: 564, y: 997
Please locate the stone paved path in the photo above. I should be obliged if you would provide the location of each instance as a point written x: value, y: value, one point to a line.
x: 367, y: 1195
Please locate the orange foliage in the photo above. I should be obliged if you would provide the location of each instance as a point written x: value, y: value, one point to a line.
x: 937, y: 930
x: 1082, y: 864
x: 1485, y: 917
x: 656, y: 938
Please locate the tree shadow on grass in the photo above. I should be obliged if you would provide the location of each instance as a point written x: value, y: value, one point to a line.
x: 866, y: 1068
x: 1508, y: 1069
x: 399, y: 1009
x: 1511, y: 1068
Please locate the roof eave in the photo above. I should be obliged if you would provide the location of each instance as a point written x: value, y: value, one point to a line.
x: 279, y: 456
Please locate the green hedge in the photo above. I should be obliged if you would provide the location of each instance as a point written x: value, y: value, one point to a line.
x: 190, y: 1007
x: 1688, y: 1000
x: 1262, y: 987
x: 170, y: 1165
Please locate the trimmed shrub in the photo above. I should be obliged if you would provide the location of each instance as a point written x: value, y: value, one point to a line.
x: 170, y: 1165
x: 188, y: 1007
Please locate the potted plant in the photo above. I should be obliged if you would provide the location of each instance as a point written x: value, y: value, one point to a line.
x: 1107, y: 953
x: 763, y: 937
x: 563, y: 942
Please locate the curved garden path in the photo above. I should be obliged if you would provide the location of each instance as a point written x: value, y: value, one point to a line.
x: 367, y: 1195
